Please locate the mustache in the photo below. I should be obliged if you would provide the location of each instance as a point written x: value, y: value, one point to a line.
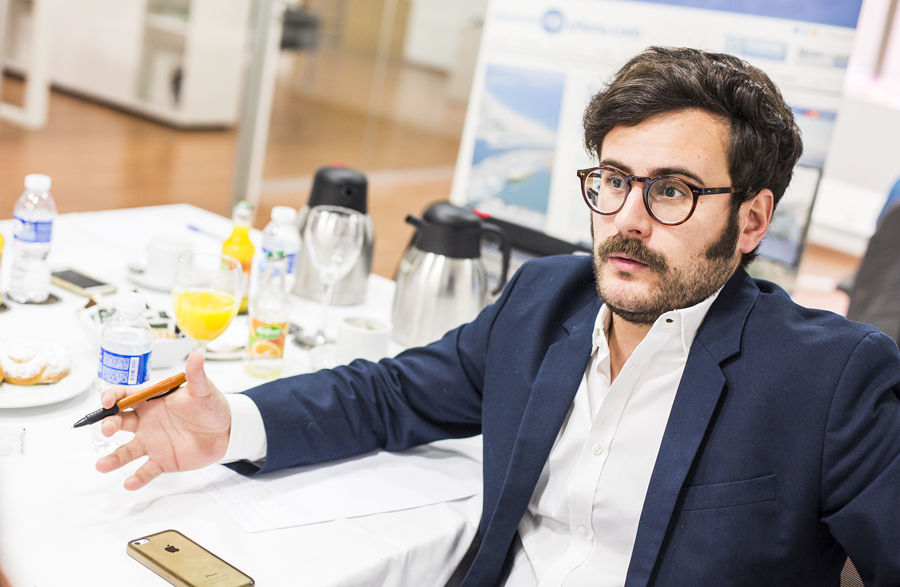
x: 634, y: 249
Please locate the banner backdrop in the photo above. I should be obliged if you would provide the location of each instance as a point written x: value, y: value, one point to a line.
x: 540, y: 61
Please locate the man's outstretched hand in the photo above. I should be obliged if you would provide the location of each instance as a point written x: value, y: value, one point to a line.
x: 185, y: 430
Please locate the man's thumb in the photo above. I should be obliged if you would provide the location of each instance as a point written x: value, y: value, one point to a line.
x: 198, y: 384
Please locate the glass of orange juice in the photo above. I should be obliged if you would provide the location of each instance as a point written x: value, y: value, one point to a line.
x: 206, y: 294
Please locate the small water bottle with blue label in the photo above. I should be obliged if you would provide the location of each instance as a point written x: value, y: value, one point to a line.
x: 280, y: 237
x: 126, y: 343
x: 33, y: 215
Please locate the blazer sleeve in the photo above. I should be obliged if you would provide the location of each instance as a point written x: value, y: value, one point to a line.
x: 423, y: 394
x: 861, y: 461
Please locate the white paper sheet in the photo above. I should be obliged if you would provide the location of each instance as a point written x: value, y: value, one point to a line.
x: 375, y: 483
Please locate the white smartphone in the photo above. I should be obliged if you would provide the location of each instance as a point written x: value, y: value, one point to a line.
x: 81, y: 284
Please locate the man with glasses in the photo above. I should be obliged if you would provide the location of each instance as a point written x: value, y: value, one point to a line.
x: 651, y: 416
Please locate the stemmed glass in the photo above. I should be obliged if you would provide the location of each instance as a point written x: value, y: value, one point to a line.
x: 206, y: 294
x: 334, y: 238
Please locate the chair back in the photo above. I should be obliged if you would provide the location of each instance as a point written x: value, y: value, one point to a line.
x: 875, y: 296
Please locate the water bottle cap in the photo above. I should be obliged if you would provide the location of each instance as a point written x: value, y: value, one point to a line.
x: 37, y: 182
x: 284, y: 215
x: 130, y: 303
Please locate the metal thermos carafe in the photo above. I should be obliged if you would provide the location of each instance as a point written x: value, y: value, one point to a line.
x: 337, y: 186
x: 441, y: 280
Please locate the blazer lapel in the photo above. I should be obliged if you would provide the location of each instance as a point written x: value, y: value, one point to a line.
x: 698, y: 394
x: 552, y: 393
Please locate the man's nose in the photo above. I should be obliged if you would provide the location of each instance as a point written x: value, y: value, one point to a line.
x: 633, y: 220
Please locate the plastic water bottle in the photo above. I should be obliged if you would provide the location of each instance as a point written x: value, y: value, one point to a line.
x: 126, y: 343
x: 33, y: 216
x: 270, y: 309
x: 281, y: 236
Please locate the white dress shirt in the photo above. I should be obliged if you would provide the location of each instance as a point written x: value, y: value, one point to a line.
x: 248, y: 433
x: 582, y: 520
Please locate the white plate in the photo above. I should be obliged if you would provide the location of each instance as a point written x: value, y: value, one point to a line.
x: 224, y: 355
x: 26, y: 396
x: 231, y: 344
x: 136, y: 275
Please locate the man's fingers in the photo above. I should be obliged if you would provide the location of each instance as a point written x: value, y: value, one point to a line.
x: 197, y: 383
x: 110, y: 425
x: 123, y: 455
x: 127, y: 421
x: 112, y: 395
x: 145, y: 474
x: 107, y: 463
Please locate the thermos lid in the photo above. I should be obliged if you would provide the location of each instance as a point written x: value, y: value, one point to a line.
x: 339, y: 186
x: 449, y: 230
x: 451, y: 216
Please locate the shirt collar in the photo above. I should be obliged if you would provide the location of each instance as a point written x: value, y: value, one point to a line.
x: 684, y: 321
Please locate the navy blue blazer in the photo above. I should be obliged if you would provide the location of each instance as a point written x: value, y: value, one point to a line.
x: 780, y: 457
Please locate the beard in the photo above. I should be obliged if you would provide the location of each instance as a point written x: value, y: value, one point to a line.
x: 675, y: 288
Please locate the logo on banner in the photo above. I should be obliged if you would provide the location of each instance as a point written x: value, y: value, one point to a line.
x: 553, y: 21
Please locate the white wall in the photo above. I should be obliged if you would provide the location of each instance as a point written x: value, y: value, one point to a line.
x: 434, y: 29
x: 863, y: 163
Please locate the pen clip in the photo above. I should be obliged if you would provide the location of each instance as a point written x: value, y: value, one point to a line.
x: 177, y: 387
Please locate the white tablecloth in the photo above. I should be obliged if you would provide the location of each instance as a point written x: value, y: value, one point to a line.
x: 61, y: 523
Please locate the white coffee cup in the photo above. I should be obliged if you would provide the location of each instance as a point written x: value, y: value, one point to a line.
x: 162, y: 255
x: 362, y: 337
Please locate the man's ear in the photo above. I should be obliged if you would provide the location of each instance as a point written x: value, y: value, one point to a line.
x: 755, y: 215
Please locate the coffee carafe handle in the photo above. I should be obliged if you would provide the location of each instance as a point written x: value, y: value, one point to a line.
x: 494, y: 232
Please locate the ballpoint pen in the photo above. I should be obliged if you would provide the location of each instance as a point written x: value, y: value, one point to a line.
x: 159, y: 389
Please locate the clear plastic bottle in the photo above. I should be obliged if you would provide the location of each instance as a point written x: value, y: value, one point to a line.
x: 33, y: 214
x: 126, y: 343
x: 239, y: 246
x: 280, y: 236
x: 270, y: 309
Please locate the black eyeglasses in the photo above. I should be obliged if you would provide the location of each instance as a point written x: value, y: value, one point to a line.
x: 669, y: 200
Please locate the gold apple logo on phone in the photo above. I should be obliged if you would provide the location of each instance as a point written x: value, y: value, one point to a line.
x: 171, y: 548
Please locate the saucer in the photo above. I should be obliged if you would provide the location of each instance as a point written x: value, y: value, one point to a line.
x: 137, y: 276
x: 232, y: 344
x: 52, y: 298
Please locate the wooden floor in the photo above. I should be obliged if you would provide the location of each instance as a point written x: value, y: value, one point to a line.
x: 100, y: 157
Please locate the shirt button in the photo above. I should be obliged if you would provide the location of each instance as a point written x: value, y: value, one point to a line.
x: 583, y: 530
x: 597, y: 450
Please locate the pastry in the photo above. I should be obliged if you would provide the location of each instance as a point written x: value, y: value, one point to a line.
x: 27, y: 362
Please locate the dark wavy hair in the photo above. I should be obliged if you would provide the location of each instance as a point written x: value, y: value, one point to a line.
x: 764, y: 141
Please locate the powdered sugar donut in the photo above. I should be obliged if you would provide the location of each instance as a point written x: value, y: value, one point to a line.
x: 27, y: 362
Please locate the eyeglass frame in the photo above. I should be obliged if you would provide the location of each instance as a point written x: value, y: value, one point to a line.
x: 648, y: 182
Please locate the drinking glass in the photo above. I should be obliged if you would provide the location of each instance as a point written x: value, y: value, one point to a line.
x: 334, y: 239
x: 206, y: 294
